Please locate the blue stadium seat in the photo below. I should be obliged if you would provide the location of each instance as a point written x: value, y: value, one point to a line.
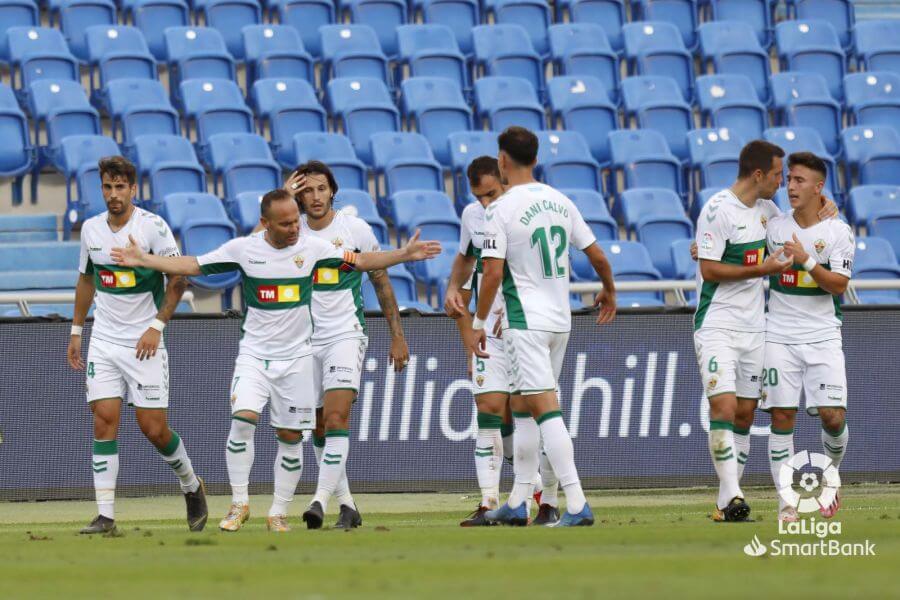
x: 873, y: 153
x: 432, y: 51
x: 608, y: 14
x: 153, y: 17
x: 732, y: 47
x: 275, y: 51
x: 839, y: 13
x: 581, y: 104
x: 260, y: 175
x: 360, y: 202
x: 657, y: 218
x: 430, y: 211
x: 812, y: 47
x: 630, y: 261
x: 199, y: 236
x: 17, y: 154
x: 286, y: 107
x: 169, y: 177
x: 685, y: 266
x: 27, y: 228
x: 877, y: 45
x: 50, y: 265
x: 644, y: 157
x: 16, y: 13
x: 362, y: 106
x: 306, y: 16
x: 139, y: 107
x: 437, y: 107
x: 383, y: 16
x: 214, y: 106
x: 404, y: 289
x: 89, y: 195
x: 582, y: 49
x: 714, y: 157
x: 655, y: 102
x: 874, y: 259
x: 78, y: 150
x: 803, y: 99
x: 531, y: 15
x: 337, y: 152
x: 227, y: 150
x: 229, y: 17
x: 181, y: 207
x: 593, y: 209
x: 564, y: 160
x: 196, y: 53
x: 756, y: 13
x: 403, y: 161
x: 867, y: 201
x: 434, y: 273
x: 506, y: 51
x: 873, y: 98
x: 352, y: 51
x: 244, y: 211
x: 465, y: 146
x: 505, y: 101
x: 729, y: 101
x: 700, y: 200
x: 37, y: 53
x: 680, y: 13
x: 460, y: 16
x: 117, y: 52
x: 76, y: 16
x: 806, y: 139
x: 887, y: 225
x: 151, y: 151
x: 656, y: 48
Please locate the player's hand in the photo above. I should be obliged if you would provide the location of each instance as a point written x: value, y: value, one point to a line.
x: 694, y: 254
x: 606, y: 300
x: 73, y: 353
x: 399, y: 353
x: 478, y: 343
x: 147, y: 345
x: 294, y: 184
x: 130, y: 256
x: 829, y: 209
x: 795, y: 250
x: 454, y: 305
x: 775, y: 264
x: 417, y: 249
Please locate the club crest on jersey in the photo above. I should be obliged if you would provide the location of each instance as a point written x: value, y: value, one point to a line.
x: 713, y: 382
x: 819, y: 246
x: 298, y: 260
x: 480, y: 380
x: 338, y: 242
x: 764, y: 220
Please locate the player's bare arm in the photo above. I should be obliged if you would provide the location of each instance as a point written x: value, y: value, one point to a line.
x: 460, y: 273
x: 606, y: 299
x: 149, y: 342
x: 833, y: 283
x: 715, y: 271
x: 84, y: 295
x: 133, y: 256
x: 399, y: 355
x: 490, y: 283
x: 415, y: 249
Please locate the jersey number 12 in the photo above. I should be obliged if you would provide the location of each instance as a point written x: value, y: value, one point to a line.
x: 539, y: 237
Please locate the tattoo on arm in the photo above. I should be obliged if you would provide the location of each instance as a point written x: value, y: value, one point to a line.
x: 175, y: 287
x: 386, y: 299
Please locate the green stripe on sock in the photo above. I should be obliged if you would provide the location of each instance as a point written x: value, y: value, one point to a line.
x: 739, y: 431
x: 318, y: 442
x: 327, y: 455
x: 236, y: 450
x: 99, y: 470
x: 244, y: 419
x: 337, y: 433
x: 721, y: 425
x: 290, y: 460
x: 99, y: 463
x: 833, y: 449
x: 106, y: 447
x: 721, y: 458
x: 549, y: 415
x: 521, y: 415
x: 489, y: 421
x: 172, y: 446
x: 483, y: 454
x: 506, y: 430
x: 782, y: 431
x: 291, y: 469
x: 331, y: 462
x: 237, y: 444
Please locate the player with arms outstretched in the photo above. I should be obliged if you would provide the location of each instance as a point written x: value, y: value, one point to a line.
x: 126, y: 356
x: 803, y: 327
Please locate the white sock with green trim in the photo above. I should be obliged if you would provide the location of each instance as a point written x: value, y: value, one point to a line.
x: 342, y: 491
x: 561, y: 454
x: 721, y: 449
x: 549, y: 481
x: 527, y: 440
x: 506, y: 434
x: 105, y: 465
x: 331, y: 469
x: 288, y: 469
x: 835, y: 446
x: 781, y: 449
x: 239, y: 454
x: 489, y: 458
x: 176, y: 456
x: 742, y: 448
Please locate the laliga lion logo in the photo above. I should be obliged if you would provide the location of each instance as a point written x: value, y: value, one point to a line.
x: 809, y: 481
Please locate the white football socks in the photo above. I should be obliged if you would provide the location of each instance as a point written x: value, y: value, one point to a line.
x: 105, y: 464
x: 527, y: 441
x: 561, y: 454
x: 549, y: 481
x: 742, y: 448
x: 721, y: 449
x: 835, y: 445
x: 176, y: 457
x: 288, y: 469
x: 239, y: 455
x: 781, y: 449
x: 331, y: 467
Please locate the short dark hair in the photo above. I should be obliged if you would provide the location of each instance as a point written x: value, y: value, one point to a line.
x: 273, y: 196
x: 320, y: 168
x: 117, y: 167
x: 758, y: 154
x: 481, y: 167
x: 808, y: 160
x: 520, y: 144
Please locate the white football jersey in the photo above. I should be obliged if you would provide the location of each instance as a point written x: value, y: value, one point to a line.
x: 337, y: 303
x: 531, y: 226
x: 729, y: 231
x: 128, y: 298
x: 470, y: 241
x: 278, y: 285
x: 800, y: 312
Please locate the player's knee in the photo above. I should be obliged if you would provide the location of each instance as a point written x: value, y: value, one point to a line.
x: 288, y: 436
x: 156, y: 432
x: 832, y: 420
x: 783, y: 420
x: 336, y: 420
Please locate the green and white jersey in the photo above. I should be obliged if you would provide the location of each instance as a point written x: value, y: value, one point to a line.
x: 128, y: 298
x: 731, y: 232
x: 800, y: 312
x: 531, y: 227
x: 470, y: 241
x: 337, y: 304
x: 278, y: 285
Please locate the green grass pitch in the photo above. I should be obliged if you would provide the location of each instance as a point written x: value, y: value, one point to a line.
x: 645, y: 544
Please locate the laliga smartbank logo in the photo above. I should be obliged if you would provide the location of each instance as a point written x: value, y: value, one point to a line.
x: 818, y: 492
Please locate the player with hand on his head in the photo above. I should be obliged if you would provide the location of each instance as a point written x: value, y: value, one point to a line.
x: 126, y: 356
x: 274, y: 364
x: 525, y: 248
x: 803, y: 326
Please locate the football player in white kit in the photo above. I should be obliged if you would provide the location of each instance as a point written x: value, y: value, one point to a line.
x: 527, y: 233
x: 339, y: 337
x: 803, y: 326
x: 127, y: 356
x: 274, y: 366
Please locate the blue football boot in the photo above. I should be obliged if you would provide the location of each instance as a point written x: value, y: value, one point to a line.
x: 509, y: 516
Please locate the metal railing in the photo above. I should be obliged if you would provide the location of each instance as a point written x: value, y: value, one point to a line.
x: 25, y: 298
